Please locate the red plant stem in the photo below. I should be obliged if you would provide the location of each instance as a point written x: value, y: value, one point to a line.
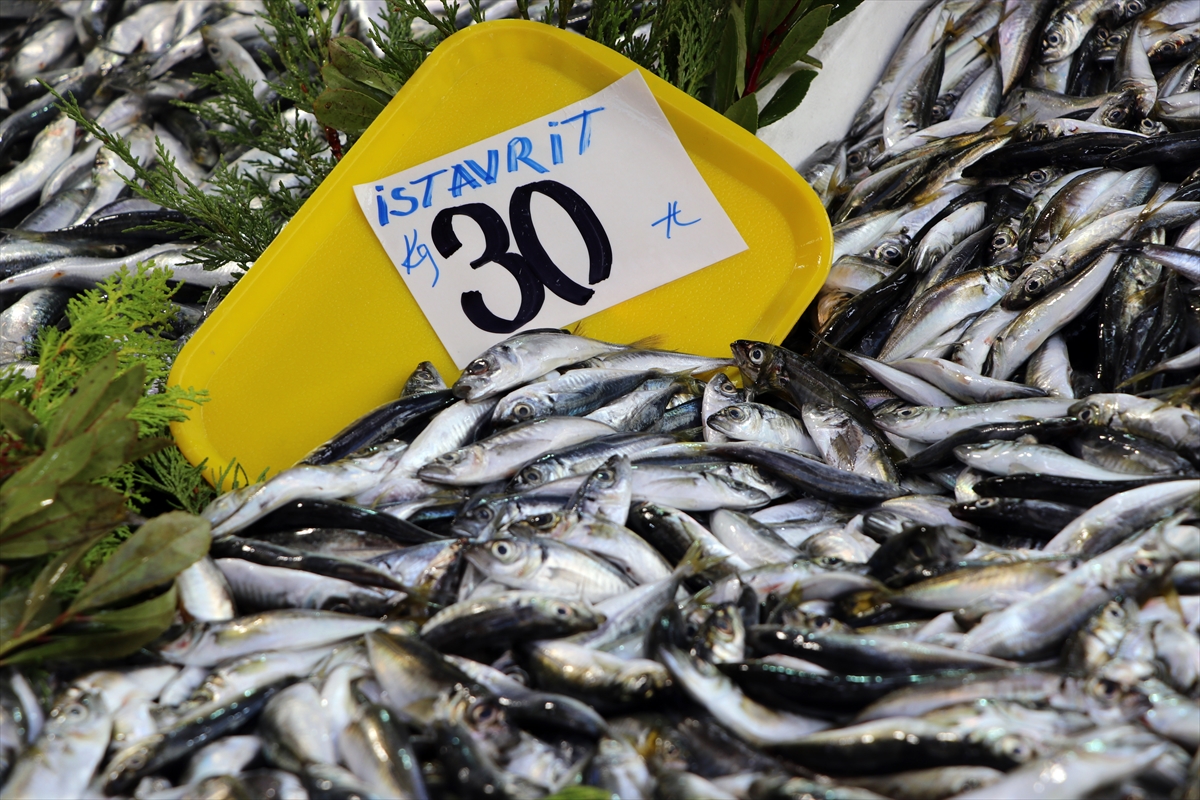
x: 767, y: 48
x: 335, y: 144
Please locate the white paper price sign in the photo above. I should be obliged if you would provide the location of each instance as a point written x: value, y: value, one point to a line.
x: 550, y: 221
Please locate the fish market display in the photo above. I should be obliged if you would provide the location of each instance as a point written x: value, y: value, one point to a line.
x: 943, y: 542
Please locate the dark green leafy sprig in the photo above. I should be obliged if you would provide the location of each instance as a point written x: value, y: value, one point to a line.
x: 64, y: 452
x: 762, y: 39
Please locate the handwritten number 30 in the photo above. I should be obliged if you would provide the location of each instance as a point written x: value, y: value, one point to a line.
x: 531, y: 266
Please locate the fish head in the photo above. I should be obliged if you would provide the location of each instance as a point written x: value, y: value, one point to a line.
x: 178, y: 650
x: 507, y: 557
x: 1094, y: 410
x: 477, y: 517
x: 80, y: 714
x: 487, y: 374
x: 724, y: 385
x: 532, y: 475
x: 610, y: 475
x: 129, y: 765
x: 575, y: 615
x: 1029, y: 286
x: 1034, y: 181
x: 741, y: 420
x: 643, y: 680
x: 1012, y: 748
x: 723, y: 634
x: 550, y: 523
x: 528, y: 406
x: 1123, y: 10
x: 1119, y: 110
x: 891, y: 249
x: 449, y: 466
x: 751, y: 357
x: 1062, y: 36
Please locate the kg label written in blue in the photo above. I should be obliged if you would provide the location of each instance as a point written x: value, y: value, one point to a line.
x: 550, y: 221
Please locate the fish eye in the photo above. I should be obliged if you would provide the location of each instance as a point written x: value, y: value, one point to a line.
x: 1033, y: 285
x: 531, y: 475
x: 908, y: 412
x: 522, y: 411
x: 1108, y: 689
x: 604, y: 475
x: 757, y: 355
x: 1038, y: 176
x: 855, y: 159
x: 1053, y: 39
x: 986, y: 502
x: 541, y: 520
x: 1136, y: 7
x: 1000, y: 241
x: 74, y: 712
x: 1085, y: 415
x: 504, y: 551
x: 1116, y: 115
x: 482, y: 712
x: 136, y: 761
x: 1016, y: 749
x: 476, y: 367
x: 736, y: 413
x: 1143, y: 567
x: 890, y: 252
x: 1012, y: 270
x: 562, y: 610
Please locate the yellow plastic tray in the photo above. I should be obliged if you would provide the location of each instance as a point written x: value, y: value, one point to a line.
x: 323, y: 329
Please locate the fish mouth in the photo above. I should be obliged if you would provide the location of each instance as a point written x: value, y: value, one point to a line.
x: 435, y: 473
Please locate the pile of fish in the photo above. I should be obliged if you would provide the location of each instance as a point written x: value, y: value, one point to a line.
x: 582, y: 564
x: 945, y: 542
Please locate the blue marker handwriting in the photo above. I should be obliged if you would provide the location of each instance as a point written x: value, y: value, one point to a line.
x: 672, y: 218
x: 521, y: 156
x: 414, y: 247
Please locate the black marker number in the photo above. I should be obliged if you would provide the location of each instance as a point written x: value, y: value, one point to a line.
x: 531, y: 266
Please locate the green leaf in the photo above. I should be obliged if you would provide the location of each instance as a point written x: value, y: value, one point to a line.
x: 800, y: 39
x: 740, y: 24
x: 745, y: 112
x: 752, y: 30
x: 157, y: 552
x: 812, y: 62
x: 119, y: 397
x: 581, y: 793
x: 48, y: 578
x: 336, y: 79
x: 19, y: 421
x: 355, y: 60
x: 729, y: 62
x: 35, y: 486
x: 77, y: 410
x: 118, y: 633
x: 78, y: 512
x: 117, y: 443
x: 11, y: 608
x: 784, y: 101
x: 346, y: 110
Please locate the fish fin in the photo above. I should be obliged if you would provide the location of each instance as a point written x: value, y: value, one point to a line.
x: 695, y: 562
